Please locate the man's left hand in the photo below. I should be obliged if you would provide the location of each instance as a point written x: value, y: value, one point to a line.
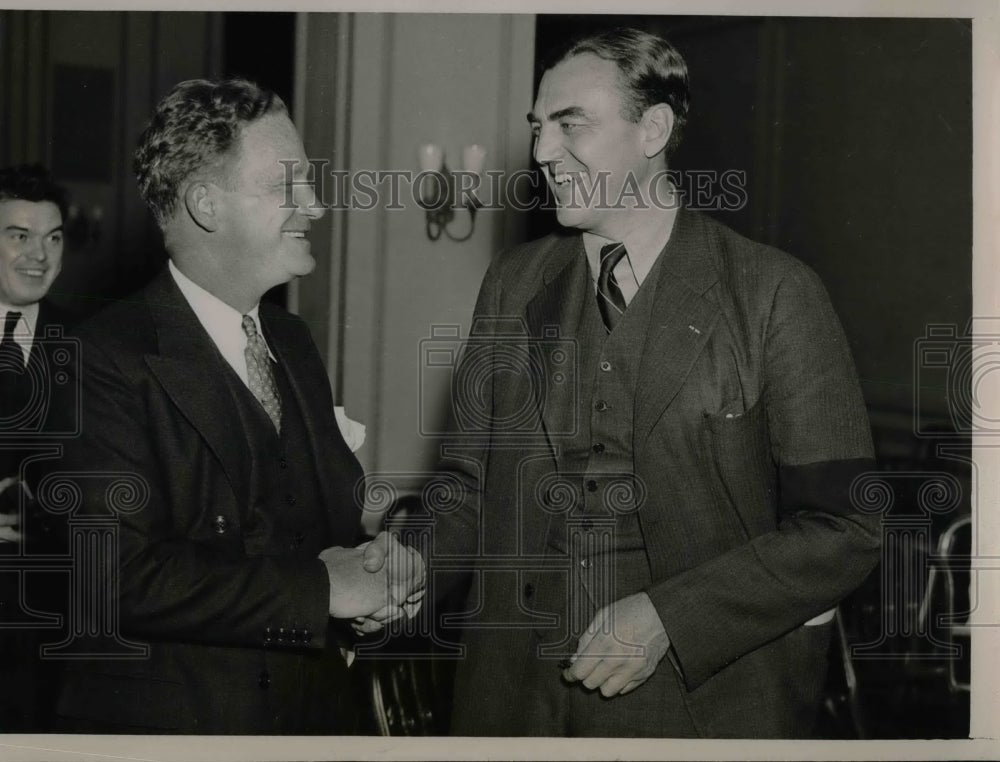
x: 621, y: 647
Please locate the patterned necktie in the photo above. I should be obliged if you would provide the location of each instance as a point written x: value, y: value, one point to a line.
x: 609, y: 295
x: 11, y: 354
x: 260, y: 375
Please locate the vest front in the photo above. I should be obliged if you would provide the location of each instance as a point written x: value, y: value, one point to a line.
x: 286, y: 515
x: 601, y: 536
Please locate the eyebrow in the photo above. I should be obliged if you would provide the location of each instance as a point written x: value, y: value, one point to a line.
x: 56, y: 229
x: 556, y: 115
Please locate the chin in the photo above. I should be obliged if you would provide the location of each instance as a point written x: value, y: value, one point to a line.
x: 572, y: 218
x: 301, y: 264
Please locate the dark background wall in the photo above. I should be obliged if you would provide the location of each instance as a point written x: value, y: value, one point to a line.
x: 76, y: 88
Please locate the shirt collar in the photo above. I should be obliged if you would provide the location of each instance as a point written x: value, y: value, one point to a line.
x: 223, y: 323
x: 29, y: 318
x: 643, y: 244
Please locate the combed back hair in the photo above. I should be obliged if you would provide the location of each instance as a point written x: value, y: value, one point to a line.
x: 197, y: 126
x: 650, y: 71
x: 31, y: 182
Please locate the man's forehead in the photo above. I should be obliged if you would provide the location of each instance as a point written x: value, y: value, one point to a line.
x: 583, y: 81
x: 270, y: 143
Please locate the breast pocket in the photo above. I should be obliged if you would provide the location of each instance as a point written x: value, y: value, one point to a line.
x: 742, y: 452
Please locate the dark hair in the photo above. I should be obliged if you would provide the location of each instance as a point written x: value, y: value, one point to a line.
x: 197, y: 125
x: 32, y: 182
x: 650, y: 71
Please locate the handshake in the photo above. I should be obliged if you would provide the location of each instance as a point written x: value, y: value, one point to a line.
x: 375, y: 583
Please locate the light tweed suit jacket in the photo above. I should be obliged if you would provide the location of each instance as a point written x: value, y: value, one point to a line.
x: 749, y: 428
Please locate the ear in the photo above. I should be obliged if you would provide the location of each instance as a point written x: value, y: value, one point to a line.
x: 202, y: 204
x: 657, y: 127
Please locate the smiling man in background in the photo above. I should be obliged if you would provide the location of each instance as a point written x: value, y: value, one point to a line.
x: 32, y: 209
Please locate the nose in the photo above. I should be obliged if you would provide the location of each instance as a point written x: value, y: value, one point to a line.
x: 38, y: 251
x: 548, y: 148
x: 308, y: 203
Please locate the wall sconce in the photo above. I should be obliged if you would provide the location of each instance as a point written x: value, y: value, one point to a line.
x: 82, y: 229
x: 442, y: 191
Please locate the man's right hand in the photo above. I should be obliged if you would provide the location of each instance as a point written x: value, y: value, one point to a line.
x: 362, y: 583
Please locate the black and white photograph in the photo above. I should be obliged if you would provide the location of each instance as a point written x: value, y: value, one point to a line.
x: 492, y: 382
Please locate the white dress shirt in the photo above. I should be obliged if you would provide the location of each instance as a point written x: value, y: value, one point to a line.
x: 643, y: 245
x: 223, y: 323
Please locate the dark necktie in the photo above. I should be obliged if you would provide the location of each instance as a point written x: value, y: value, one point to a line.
x: 15, y: 384
x: 11, y: 355
x: 609, y: 295
x: 260, y: 375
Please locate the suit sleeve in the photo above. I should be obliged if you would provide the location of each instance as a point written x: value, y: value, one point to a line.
x: 465, y: 453
x: 171, y: 586
x: 822, y: 546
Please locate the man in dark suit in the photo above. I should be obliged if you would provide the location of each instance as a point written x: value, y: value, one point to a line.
x: 235, y: 564
x: 32, y: 209
x: 657, y: 504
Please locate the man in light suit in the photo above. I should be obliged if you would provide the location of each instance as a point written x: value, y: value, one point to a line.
x: 235, y: 569
x: 660, y: 497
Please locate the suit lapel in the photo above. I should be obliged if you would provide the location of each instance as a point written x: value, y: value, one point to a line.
x: 681, y: 323
x: 189, y: 368
x: 552, y: 317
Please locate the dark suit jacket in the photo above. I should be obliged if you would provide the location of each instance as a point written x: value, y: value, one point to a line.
x: 25, y: 702
x: 38, y: 415
x: 156, y: 405
x: 748, y: 524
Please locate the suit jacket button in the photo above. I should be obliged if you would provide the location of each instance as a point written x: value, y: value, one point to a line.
x: 281, y: 634
x: 600, y: 406
x: 290, y: 499
x: 219, y: 524
x: 529, y: 590
x: 264, y: 680
x: 599, y: 448
x: 306, y: 636
x: 591, y: 485
x: 283, y: 463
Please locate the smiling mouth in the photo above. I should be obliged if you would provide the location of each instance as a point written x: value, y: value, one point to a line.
x: 300, y: 234
x: 32, y: 272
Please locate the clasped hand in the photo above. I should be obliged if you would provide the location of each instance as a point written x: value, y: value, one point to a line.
x: 381, y: 579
